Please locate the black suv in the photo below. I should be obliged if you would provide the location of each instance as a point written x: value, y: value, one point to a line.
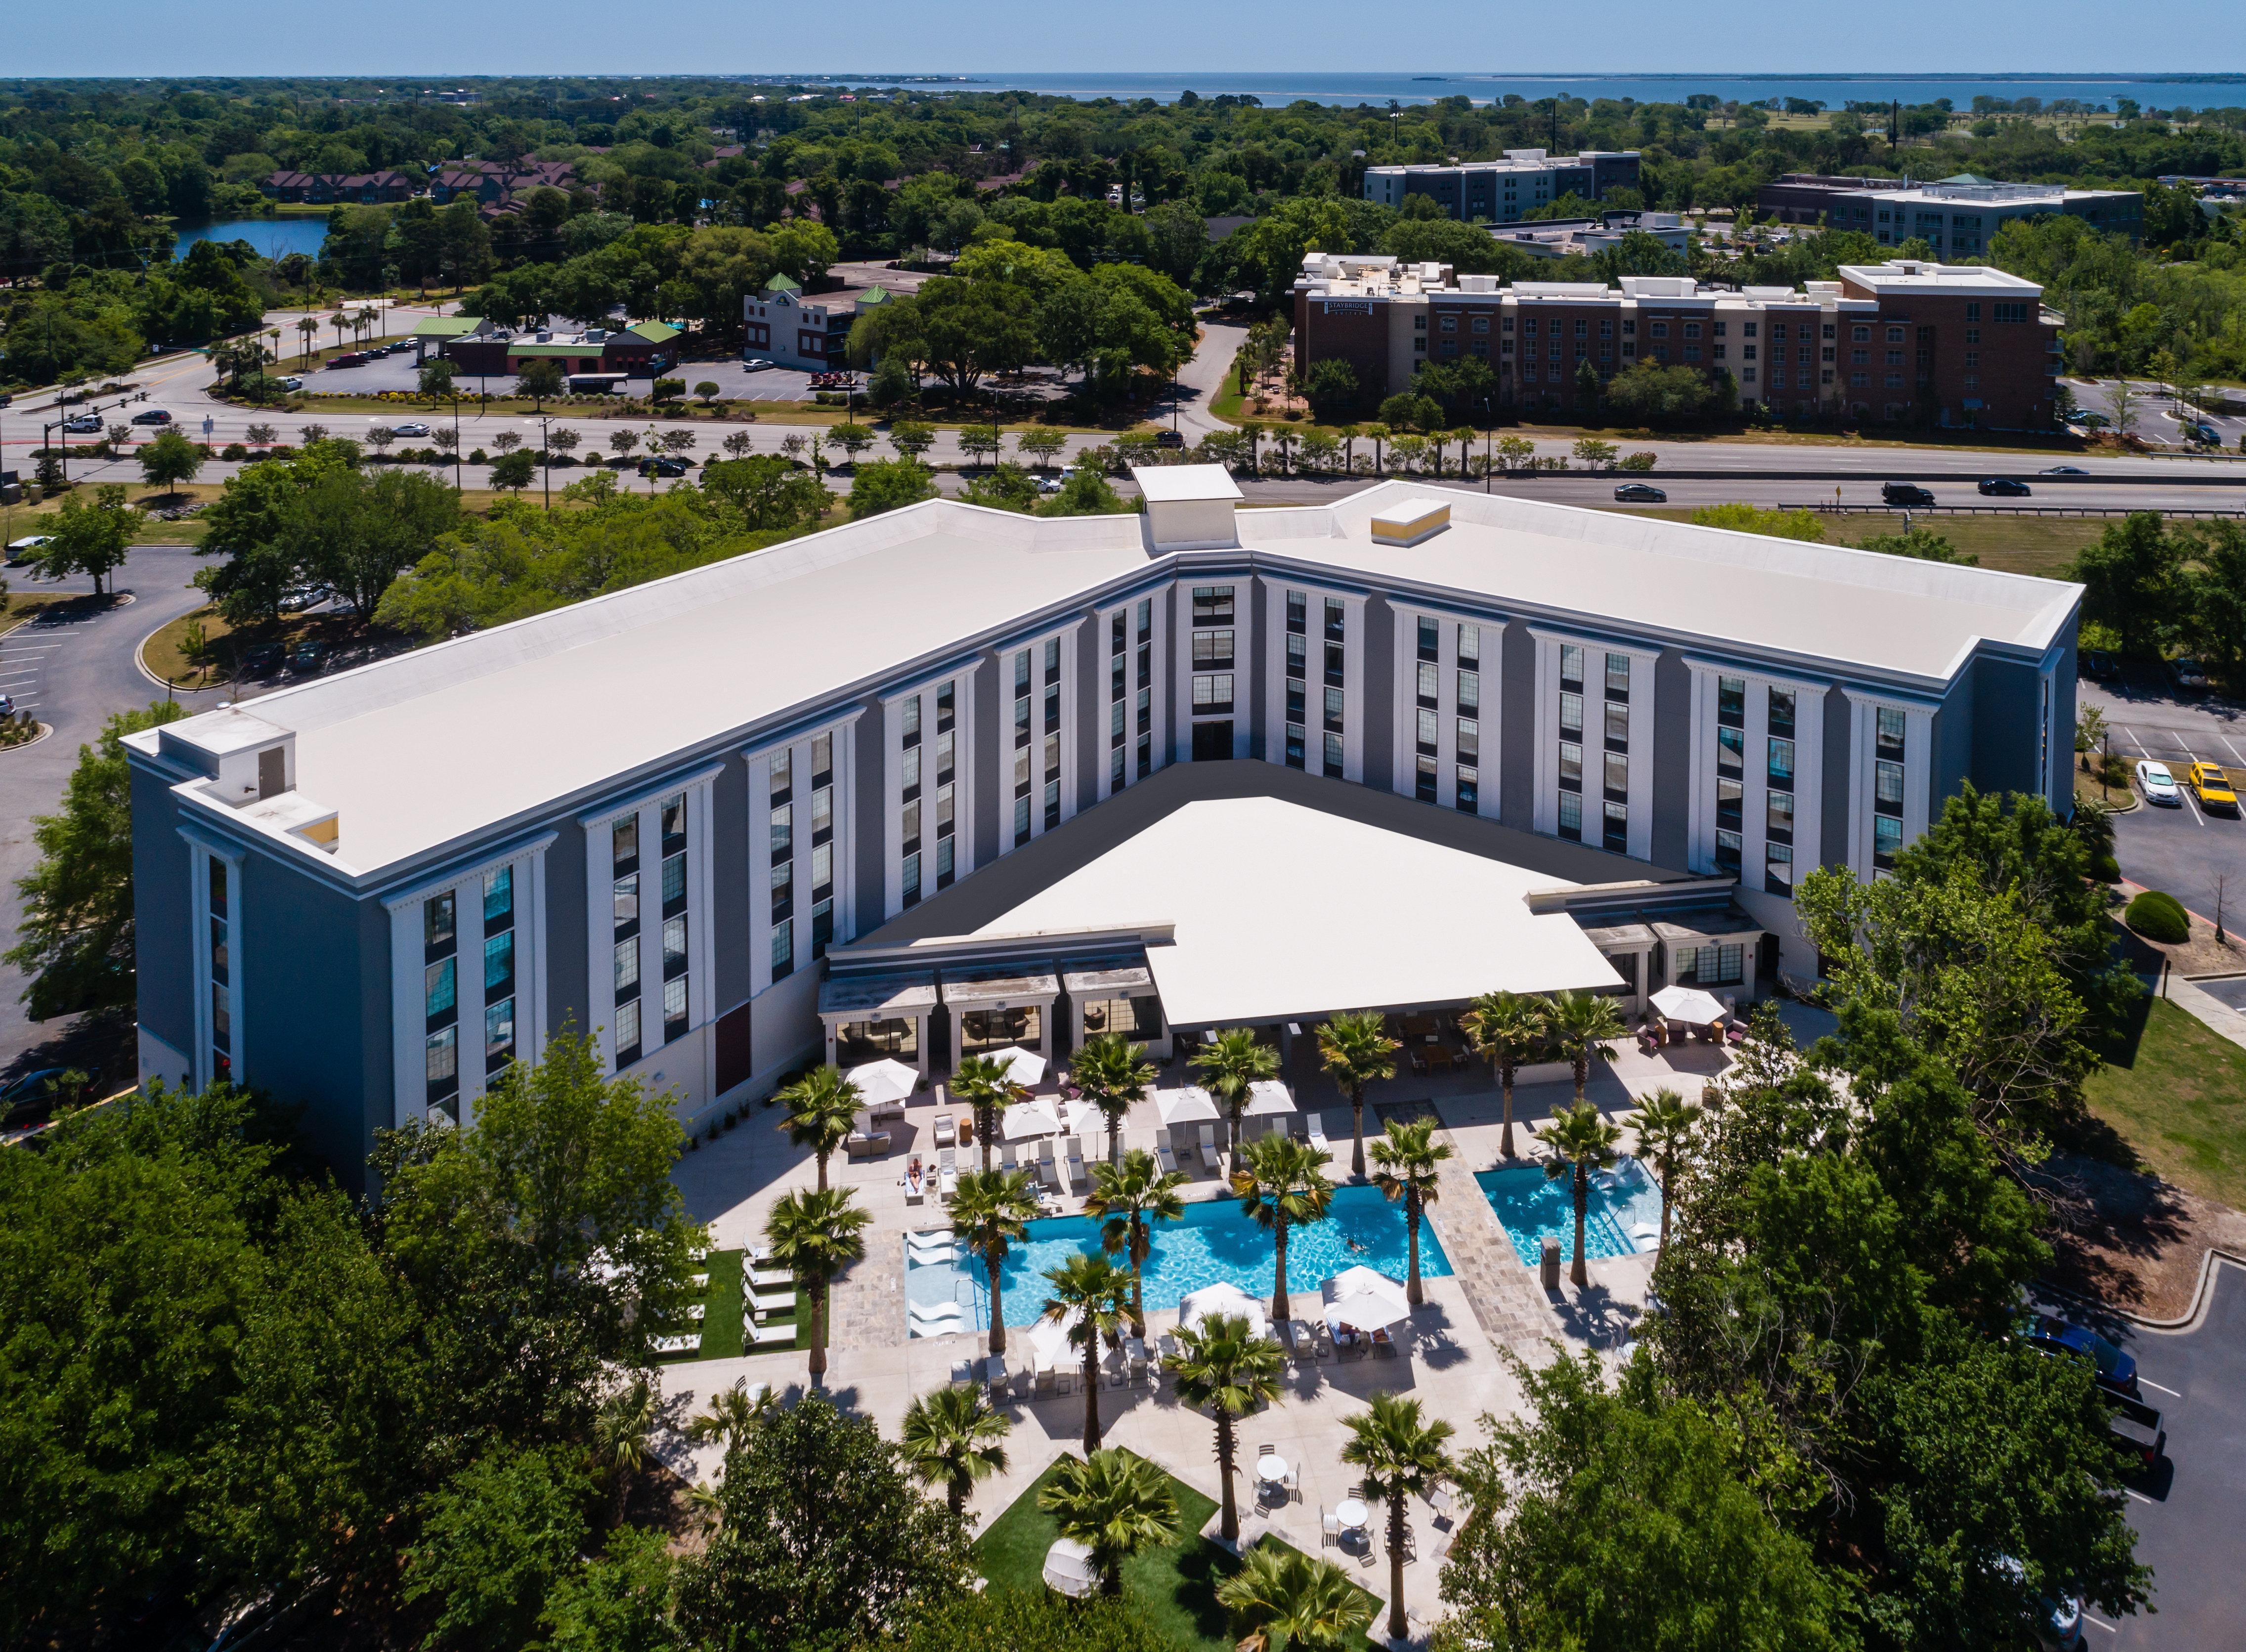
x: 1905, y: 494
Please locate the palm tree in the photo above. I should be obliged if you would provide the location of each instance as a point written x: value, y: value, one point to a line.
x: 1401, y: 1453
x: 1375, y: 434
x: 307, y: 326
x: 815, y: 1235
x: 1228, y: 1067
x: 1132, y: 1197
x: 731, y: 1415
x: 1282, y: 1181
x: 1113, y: 1072
x: 620, y: 1433
x: 1580, y: 1141
x: 339, y: 321
x: 1666, y: 1125
x: 982, y: 1083
x: 822, y: 1107
x: 1506, y: 1029
x: 1582, y: 1024
x: 1314, y: 1603
x: 1115, y: 1505
x: 1221, y: 1364
x: 990, y: 1210
x: 1357, y: 1050
x: 952, y: 1438
x: 1411, y: 1161
x: 1097, y: 1289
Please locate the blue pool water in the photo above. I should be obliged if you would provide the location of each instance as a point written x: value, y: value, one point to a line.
x: 1531, y: 1205
x: 1213, y: 1242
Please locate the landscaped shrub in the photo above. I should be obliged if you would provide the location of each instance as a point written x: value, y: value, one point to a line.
x: 2106, y: 868
x: 235, y: 452
x: 2159, y: 916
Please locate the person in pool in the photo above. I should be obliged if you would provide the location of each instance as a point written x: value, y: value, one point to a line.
x: 1357, y: 1246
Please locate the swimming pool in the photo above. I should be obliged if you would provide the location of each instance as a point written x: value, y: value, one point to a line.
x: 1213, y: 1242
x: 1531, y: 1205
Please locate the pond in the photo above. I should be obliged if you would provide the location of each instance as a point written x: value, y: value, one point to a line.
x: 274, y: 237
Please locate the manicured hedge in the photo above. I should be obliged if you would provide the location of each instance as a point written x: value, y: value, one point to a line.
x: 2159, y: 916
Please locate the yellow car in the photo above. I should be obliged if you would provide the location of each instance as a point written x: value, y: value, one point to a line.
x: 2212, y: 787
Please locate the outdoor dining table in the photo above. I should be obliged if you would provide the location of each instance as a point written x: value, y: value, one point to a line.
x: 1352, y: 1514
x: 1271, y: 1469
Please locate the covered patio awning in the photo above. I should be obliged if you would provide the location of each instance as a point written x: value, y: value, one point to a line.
x: 1284, y: 911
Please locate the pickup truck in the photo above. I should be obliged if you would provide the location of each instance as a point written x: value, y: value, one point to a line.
x: 2136, y: 1427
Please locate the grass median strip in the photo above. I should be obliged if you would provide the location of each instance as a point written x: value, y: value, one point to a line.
x: 2175, y: 1091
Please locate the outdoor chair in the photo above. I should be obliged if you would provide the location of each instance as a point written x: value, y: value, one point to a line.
x: 1008, y: 1158
x: 1072, y: 1163
x: 1048, y: 1171
x: 1329, y: 1527
x: 1163, y: 1156
x: 947, y: 1133
x: 947, y: 1173
x: 1316, y: 1122
x: 1292, y: 1484
x: 1208, y: 1150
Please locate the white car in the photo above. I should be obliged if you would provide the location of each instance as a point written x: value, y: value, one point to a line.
x: 24, y: 550
x: 413, y: 427
x: 758, y: 364
x: 2159, y: 784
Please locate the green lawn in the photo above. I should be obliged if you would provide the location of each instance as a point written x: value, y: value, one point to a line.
x: 1175, y: 1587
x: 2176, y: 1092
x: 722, y: 1310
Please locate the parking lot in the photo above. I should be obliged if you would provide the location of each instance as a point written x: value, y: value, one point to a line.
x: 2197, y: 857
x: 734, y: 381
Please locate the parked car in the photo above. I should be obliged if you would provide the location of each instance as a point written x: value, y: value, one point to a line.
x: 261, y: 660
x: 308, y: 655
x: 2005, y: 487
x: 2099, y: 665
x: 2159, y: 785
x: 25, y: 549
x: 757, y: 364
x: 400, y: 347
x: 2114, y: 1368
x: 2062, y: 470
x: 1049, y: 483
x: 83, y: 425
x: 2055, y: 1623
x: 412, y: 427
x: 1642, y: 493
x: 1170, y: 438
x: 292, y: 382
x: 1905, y: 494
x: 30, y: 1101
x: 152, y: 416
x: 349, y: 358
x: 2189, y: 675
x: 2206, y: 433
x: 2213, y: 789
x: 663, y: 467
x: 7, y: 705
x: 2137, y: 1427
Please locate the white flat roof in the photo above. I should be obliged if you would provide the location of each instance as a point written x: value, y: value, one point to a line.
x: 1177, y: 484
x: 1283, y: 911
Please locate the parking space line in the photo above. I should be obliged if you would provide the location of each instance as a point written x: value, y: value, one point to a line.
x: 2140, y: 1496
x: 2170, y: 1392
x: 2101, y: 1623
x: 2231, y: 749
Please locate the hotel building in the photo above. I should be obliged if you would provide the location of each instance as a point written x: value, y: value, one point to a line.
x: 1497, y: 190
x: 951, y: 778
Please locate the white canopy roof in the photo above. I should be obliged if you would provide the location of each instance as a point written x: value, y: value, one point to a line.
x: 1069, y: 1569
x: 1083, y: 1118
x: 1049, y: 1337
x: 1414, y: 922
x: 1188, y: 1104
x: 1365, y: 1299
x: 1027, y: 1118
x: 880, y: 1082
x: 1223, y: 1298
x: 1688, y: 1004
x: 1022, y: 1066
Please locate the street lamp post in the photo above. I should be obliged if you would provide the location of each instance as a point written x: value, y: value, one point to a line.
x: 546, y: 460
x: 458, y: 485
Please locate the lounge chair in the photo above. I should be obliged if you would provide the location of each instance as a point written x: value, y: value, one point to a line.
x: 1305, y: 1340
x: 777, y: 1302
x: 857, y: 1144
x: 931, y: 1313
x: 1208, y: 1158
x: 1008, y: 1159
x: 1048, y: 1171
x: 698, y: 1282
x: 947, y: 1133
x: 690, y: 1344
x: 947, y: 1170
x: 1163, y: 1156
x: 769, y: 1335
x: 770, y: 1278
x: 693, y: 1313
x: 1071, y: 1163
x: 1317, y: 1121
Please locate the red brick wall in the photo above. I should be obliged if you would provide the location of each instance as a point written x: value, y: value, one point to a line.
x: 1330, y: 328
x: 1947, y: 341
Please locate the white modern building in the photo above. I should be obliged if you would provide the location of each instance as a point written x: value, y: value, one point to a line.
x: 1498, y: 190
x: 951, y: 779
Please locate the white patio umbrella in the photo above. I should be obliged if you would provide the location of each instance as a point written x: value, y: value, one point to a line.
x: 1188, y: 1104
x: 1688, y: 1004
x: 884, y: 1081
x: 1223, y: 1298
x: 1083, y: 1119
x: 1025, y: 1119
x: 1069, y: 1569
x: 1368, y: 1299
x: 1049, y: 1337
x: 1022, y: 1066
x: 1266, y: 1097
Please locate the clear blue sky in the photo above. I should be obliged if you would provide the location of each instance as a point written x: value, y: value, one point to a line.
x: 437, y: 37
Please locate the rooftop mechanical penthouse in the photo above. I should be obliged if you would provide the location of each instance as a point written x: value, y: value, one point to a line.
x: 952, y: 778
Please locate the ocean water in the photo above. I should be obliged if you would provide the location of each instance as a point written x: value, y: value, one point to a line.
x: 1214, y: 1243
x: 274, y: 237
x: 2162, y: 92
x: 1531, y: 1207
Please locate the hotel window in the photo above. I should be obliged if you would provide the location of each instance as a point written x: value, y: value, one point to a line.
x: 221, y: 971
x: 1212, y: 693
x: 623, y: 848
x: 1617, y: 727
x: 1571, y: 716
x: 1781, y: 712
x: 1212, y: 605
x: 1430, y: 684
x: 1424, y: 784
x: 1615, y: 835
x: 1430, y: 640
x: 1212, y: 650
x: 1571, y: 815
x: 1571, y: 766
x: 1778, y: 869
x: 1469, y: 790
x: 1144, y: 618
x: 1718, y: 966
x: 1333, y: 755
x: 1571, y: 667
x: 499, y: 968
x: 1731, y: 702
x: 1618, y: 676
x: 1728, y: 845
x: 1022, y: 734
x: 1887, y: 787
x: 441, y: 990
